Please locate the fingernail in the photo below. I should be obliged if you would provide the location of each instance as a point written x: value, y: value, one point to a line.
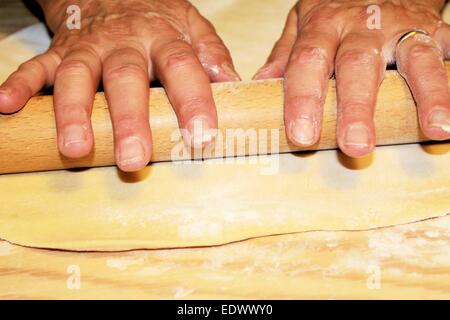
x: 440, y: 119
x: 357, y: 136
x: 74, y: 134
x: 131, y: 150
x: 200, y: 132
x: 302, y: 131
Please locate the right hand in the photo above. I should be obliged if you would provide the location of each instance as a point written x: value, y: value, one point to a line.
x: 126, y: 44
x: 324, y: 37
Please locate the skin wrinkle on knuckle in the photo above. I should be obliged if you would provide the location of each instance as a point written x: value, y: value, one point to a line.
x: 34, y: 67
x: 179, y: 59
x: 215, y: 52
x: 419, y: 50
x: 85, y: 50
x: 25, y: 86
x: 357, y: 57
x: 355, y: 110
x: 432, y: 90
x: 407, y: 69
x: 311, y: 88
x: 85, y: 55
x: 126, y: 124
x: 125, y: 71
x: 127, y: 120
x: 72, y: 67
x: 211, y: 40
x: 211, y: 54
x: 125, y: 48
x: 72, y: 113
x: 56, y: 61
x: 193, y: 106
x: 309, y: 55
x: 305, y: 103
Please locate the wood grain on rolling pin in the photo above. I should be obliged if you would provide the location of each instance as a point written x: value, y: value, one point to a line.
x: 28, y: 138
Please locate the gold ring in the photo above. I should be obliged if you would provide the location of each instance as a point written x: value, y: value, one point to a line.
x: 410, y: 34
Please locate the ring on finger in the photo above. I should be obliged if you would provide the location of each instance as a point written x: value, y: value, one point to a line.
x: 410, y: 34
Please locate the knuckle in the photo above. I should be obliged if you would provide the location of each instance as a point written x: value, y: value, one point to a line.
x: 33, y: 65
x: 194, y: 105
x: 211, y: 41
x: 418, y: 50
x: 179, y: 59
x: 85, y: 53
x: 72, y: 66
x: 309, y: 55
x: 305, y: 102
x: 356, y: 57
x: 212, y: 48
x: 127, y: 50
x: 355, y: 110
x: 124, y: 70
x: 72, y: 113
x: 127, y: 123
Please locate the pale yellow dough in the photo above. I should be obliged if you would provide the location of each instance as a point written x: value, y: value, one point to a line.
x: 177, y: 205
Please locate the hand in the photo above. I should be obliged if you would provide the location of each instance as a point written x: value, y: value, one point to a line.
x: 322, y: 37
x: 126, y: 44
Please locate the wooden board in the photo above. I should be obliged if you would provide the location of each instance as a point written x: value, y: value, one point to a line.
x: 248, y: 112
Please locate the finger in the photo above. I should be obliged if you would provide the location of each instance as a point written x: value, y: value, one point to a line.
x: 211, y: 51
x: 127, y: 89
x: 420, y: 62
x: 443, y: 37
x: 360, y: 67
x: 76, y: 82
x: 279, y: 57
x: 306, y: 83
x: 28, y: 80
x: 187, y: 86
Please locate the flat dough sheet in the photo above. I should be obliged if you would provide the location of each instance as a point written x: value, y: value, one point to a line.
x: 214, y: 202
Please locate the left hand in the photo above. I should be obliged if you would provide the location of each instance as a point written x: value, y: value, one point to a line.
x: 322, y: 37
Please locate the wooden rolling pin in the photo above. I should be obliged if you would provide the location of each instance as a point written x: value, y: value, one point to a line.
x: 28, y: 138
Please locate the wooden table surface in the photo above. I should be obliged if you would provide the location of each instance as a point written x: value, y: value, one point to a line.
x: 399, y: 261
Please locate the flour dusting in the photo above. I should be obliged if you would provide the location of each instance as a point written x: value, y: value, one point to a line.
x: 123, y: 263
x: 6, y: 249
x: 182, y: 292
